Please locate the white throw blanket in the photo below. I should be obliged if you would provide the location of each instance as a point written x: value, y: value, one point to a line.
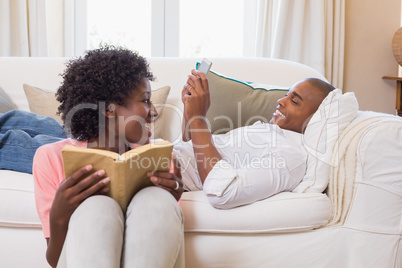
x: 342, y: 179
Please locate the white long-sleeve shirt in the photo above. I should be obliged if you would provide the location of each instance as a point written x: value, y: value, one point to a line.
x: 257, y: 162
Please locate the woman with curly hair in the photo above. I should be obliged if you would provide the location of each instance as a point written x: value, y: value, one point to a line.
x: 105, y: 104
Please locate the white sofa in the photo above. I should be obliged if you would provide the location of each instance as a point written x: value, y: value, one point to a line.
x: 287, y: 230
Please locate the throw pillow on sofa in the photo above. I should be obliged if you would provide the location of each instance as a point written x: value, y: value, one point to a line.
x: 158, y: 98
x: 44, y: 103
x: 236, y: 103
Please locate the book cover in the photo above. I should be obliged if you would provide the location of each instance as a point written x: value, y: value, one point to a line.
x: 127, y: 172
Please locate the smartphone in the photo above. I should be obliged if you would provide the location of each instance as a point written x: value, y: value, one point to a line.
x: 205, y: 66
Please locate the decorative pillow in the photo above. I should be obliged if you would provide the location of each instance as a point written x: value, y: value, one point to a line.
x: 158, y: 98
x: 237, y: 103
x: 5, y: 102
x: 44, y: 102
x: 321, y: 137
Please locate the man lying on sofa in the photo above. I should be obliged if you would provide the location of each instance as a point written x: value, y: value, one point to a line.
x: 249, y: 163
x: 237, y: 168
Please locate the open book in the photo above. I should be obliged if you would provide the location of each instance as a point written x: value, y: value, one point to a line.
x: 127, y: 172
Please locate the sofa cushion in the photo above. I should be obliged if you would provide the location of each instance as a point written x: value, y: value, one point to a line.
x: 44, y: 103
x: 17, y: 200
x: 236, y: 103
x: 284, y: 212
x: 5, y: 102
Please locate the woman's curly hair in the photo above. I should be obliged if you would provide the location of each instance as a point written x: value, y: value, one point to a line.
x: 90, y: 83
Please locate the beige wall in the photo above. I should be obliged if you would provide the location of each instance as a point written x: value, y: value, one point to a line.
x: 370, y: 27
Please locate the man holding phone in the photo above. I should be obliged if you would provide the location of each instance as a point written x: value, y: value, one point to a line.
x: 249, y: 163
x: 204, y: 68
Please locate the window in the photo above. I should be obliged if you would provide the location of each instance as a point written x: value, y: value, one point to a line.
x: 211, y: 27
x: 171, y: 28
x: 119, y: 22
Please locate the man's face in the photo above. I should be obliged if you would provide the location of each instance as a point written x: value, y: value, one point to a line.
x: 296, y: 108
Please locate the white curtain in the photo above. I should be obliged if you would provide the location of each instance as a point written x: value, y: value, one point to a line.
x: 306, y: 31
x: 32, y: 28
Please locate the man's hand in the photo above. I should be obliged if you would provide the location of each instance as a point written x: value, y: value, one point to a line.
x: 197, y: 100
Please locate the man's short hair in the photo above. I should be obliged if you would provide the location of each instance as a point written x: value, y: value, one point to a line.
x: 323, y: 86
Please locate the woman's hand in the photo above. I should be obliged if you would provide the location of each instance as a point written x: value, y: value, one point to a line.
x: 70, y: 194
x: 171, y: 182
x: 74, y: 190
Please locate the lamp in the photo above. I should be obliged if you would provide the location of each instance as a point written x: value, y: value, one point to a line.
x: 397, y: 45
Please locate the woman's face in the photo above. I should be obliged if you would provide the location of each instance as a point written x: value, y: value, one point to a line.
x: 132, y: 117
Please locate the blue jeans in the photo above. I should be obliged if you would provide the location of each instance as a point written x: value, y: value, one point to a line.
x: 21, y: 133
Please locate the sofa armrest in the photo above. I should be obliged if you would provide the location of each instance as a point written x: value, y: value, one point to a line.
x: 377, y: 195
x: 366, y: 186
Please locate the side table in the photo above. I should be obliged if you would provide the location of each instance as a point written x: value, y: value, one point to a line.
x: 398, y: 80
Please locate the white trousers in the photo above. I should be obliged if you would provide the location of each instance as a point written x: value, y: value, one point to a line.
x: 149, y: 235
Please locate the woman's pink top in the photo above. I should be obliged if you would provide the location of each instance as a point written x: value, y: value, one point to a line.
x: 48, y: 173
